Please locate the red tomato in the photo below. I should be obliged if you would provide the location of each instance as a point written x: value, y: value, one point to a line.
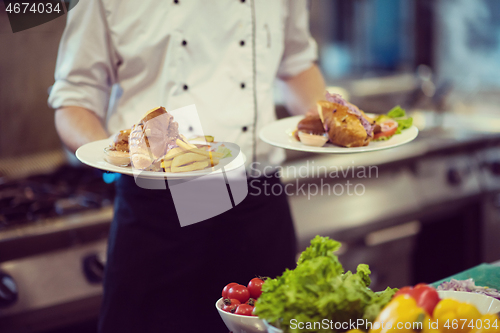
x: 251, y: 301
x: 426, y: 296
x: 244, y: 310
x: 255, y: 287
x: 403, y: 291
x: 239, y: 292
x: 226, y: 289
x: 230, y: 304
x: 389, y: 128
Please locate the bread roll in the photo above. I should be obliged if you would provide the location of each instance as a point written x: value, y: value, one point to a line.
x: 343, y: 128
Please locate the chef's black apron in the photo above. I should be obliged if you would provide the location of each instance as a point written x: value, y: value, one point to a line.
x: 161, y: 277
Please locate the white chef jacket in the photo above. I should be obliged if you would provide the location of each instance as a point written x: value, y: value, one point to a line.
x: 223, y: 56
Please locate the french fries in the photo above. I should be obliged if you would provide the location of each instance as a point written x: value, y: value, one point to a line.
x: 188, y: 157
x: 205, y: 152
x: 191, y: 167
x: 172, y: 153
x: 166, y: 164
x: 184, y: 144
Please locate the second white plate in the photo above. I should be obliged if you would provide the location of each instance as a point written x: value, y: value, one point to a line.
x: 280, y: 134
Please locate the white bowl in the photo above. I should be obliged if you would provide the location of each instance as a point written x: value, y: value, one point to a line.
x: 485, y: 304
x: 238, y: 323
x: 271, y: 328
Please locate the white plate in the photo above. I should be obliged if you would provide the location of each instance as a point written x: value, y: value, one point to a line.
x: 280, y: 134
x: 92, y: 154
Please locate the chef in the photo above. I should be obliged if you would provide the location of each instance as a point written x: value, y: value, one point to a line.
x: 118, y: 59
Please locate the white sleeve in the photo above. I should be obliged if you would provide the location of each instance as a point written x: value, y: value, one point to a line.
x: 300, y: 48
x: 85, y: 69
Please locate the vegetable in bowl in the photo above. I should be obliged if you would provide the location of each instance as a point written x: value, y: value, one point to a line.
x: 319, y: 289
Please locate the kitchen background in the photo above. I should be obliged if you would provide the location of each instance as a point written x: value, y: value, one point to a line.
x: 432, y: 210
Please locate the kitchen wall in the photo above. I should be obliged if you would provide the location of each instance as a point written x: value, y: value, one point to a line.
x: 27, y: 62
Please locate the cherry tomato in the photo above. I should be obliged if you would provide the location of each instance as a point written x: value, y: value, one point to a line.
x: 251, y: 301
x: 239, y: 292
x: 226, y: 289
x: 230, y: 304
x: 403, y: 291
x: 255, y: 287
x: 426, y: 296
x: 244, y: 310
x: 389, y: 127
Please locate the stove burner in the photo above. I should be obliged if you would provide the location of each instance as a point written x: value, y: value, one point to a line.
x: 67, y: 190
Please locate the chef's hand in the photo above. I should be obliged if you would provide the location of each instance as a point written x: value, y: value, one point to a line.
x: 77, y: 126
x: 304, y: 90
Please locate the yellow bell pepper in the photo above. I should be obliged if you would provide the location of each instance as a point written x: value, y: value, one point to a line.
x: 455, y: 316
x: 488, y: 323
x: 401, y: 314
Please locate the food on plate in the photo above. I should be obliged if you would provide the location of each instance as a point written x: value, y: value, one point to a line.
x: 344, y: 124
x: 344, y: 128
x: 152, y: 138
x: 319, y: 288
x: 390, y: 124
x: 186, y: 159
x: 310, y: 131
x: 312, y: 139
x: 155, y: 144
x: 116, y: 157
x: 118, y: 151
x: 206, y: 138
x: 120, y: 141
x: 470, y: 286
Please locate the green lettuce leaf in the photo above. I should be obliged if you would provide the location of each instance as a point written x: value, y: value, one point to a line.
x: 397, y: 112
x: 404, y: 124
